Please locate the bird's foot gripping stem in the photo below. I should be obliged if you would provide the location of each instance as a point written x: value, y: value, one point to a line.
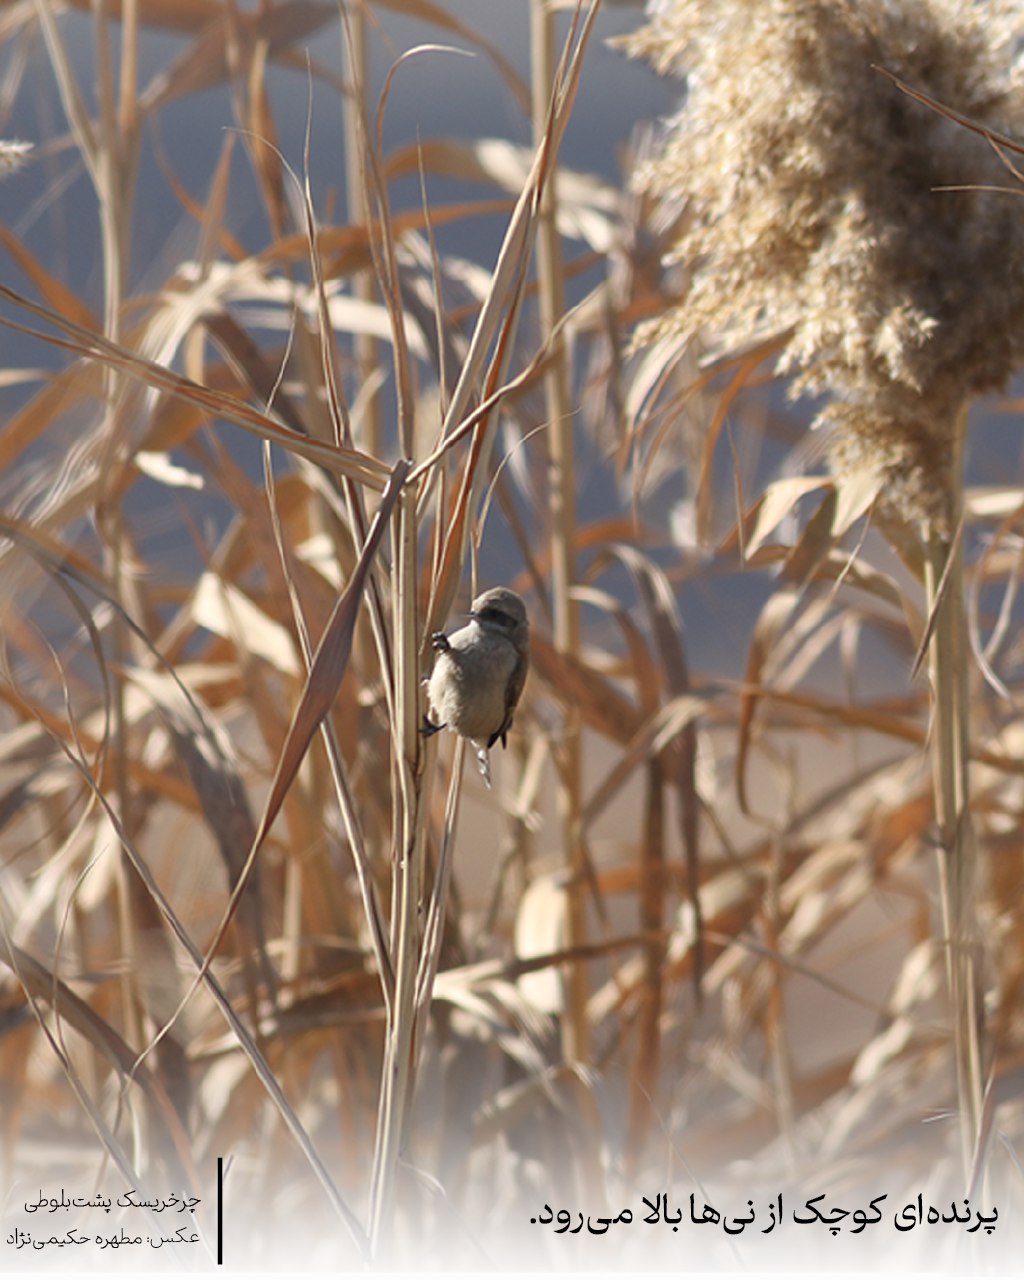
x: 428, y: 728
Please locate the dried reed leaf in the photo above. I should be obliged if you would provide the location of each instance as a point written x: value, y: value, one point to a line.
x: 213, y: 769
x: 776, y: 504
x: 262, y: 139
x: 361, y: 467
x: 651, y: 737
x: 496, y: 324
x: 575, y: 683
x: 325, y: 675
x: 43, y: 986
x: 855, y: 494
x: 53, y: 291
x: 255, y: 1057
x: 677, y: 759
x: 259, y: 373
x: 877, y: 719
x: 428, y: 11
x: 207, y: 61
x: 771, y: 625
x: 813, y: 632
x: 725, y: 401
x: 223, y: 609
x: 813, y: 543
x: 29, y: 424
x: 201, y: 294
x: 643, y: 670
x: 346, y: 250
x: 54, y: 552
x: 586, y: 203
x: 838, y: 567
x: 210, y: 216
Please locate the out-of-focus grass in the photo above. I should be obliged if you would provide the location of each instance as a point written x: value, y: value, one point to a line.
x: 690, y: 936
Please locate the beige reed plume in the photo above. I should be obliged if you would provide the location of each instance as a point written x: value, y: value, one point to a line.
x: 812, y: 209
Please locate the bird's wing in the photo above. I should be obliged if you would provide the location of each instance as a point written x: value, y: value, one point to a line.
x: 513, y: 691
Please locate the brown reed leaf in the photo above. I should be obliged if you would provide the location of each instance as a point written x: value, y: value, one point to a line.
x: 93, y: 346
x: 210, y: 216
x: 575, y: 682
x: 229, y: 40
x: 813, y: 544
x: 677, y: 762
x: 776, y: 504
x: 345, y: 250
x: 586, y: 203
x: 652, y: 737
x: 53, y: 291
x: 262, y: 139
x: 262, y: 377
x: 325, y: 675
x: 770, y: 626
x: 496, y: 324
x: 204, y: 748
x: 42, y: 986
x: 426, y: 10
x: 30, y: 423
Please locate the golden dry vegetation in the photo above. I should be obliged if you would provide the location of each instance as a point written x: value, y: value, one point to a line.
x: 736, y: 927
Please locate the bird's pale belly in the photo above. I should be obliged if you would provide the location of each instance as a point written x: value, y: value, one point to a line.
x: 474, y: 717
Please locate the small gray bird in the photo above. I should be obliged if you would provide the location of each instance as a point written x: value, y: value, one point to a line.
x: 479, y: 673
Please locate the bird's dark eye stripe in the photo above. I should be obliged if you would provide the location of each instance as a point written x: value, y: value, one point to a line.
x: 496, y: 615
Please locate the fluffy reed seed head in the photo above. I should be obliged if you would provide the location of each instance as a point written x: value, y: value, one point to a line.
x: 810, y: 179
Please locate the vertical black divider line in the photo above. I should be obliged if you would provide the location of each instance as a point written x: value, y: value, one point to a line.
x: 220, y: 1211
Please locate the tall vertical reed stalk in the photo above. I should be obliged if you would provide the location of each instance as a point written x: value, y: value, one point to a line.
x: 949, y: 669
x: 562, y: 505
x: 413, y: 966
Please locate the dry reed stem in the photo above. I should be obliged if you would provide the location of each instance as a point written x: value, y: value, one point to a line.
x: 562, y: 505
x: 949, y: 671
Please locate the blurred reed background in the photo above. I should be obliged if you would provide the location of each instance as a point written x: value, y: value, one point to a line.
x: 286, y: 375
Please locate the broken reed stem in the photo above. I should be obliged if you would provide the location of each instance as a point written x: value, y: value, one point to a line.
x: 948, y: 666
